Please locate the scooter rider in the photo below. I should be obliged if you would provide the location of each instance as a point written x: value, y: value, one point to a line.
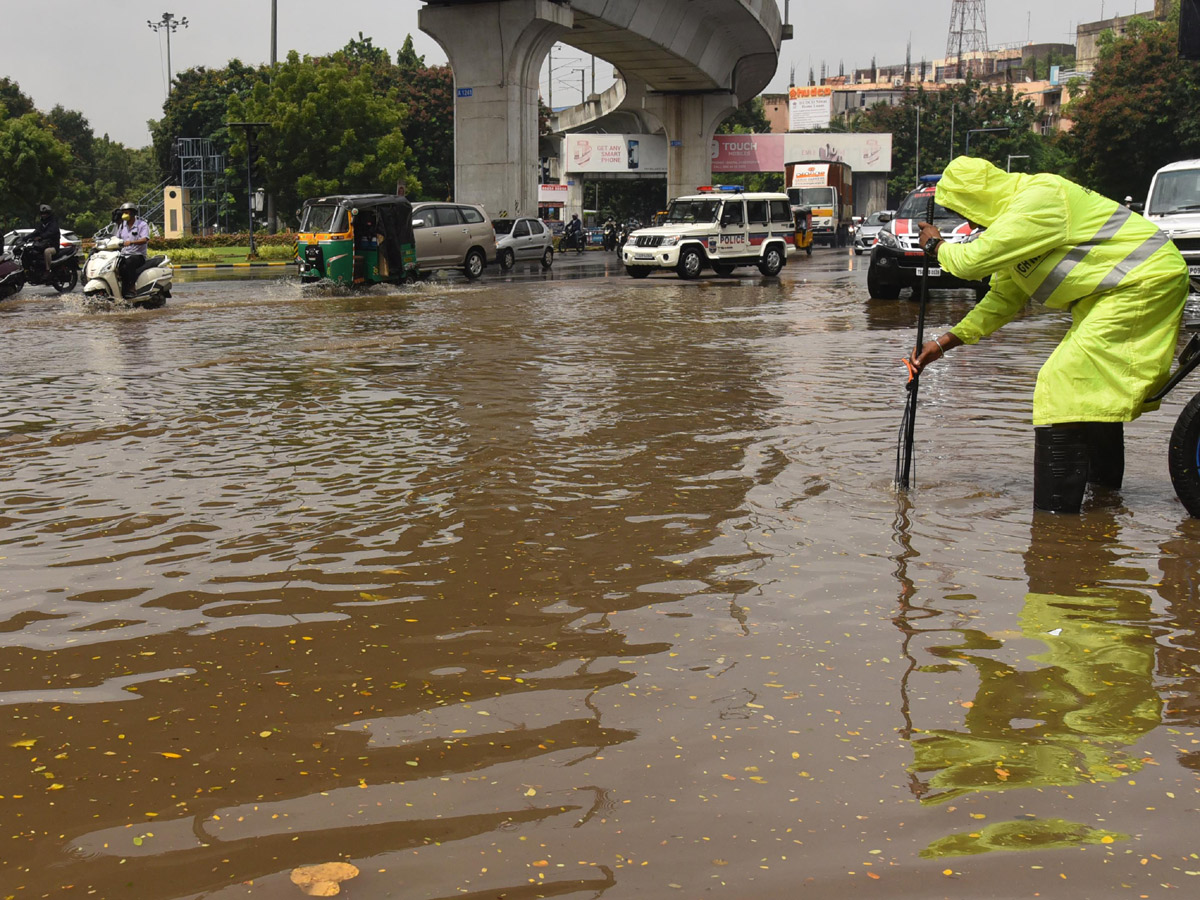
x: 1125, y: 284
x: 46, y: 236
x: 575, y: 233
x: 134, y: 234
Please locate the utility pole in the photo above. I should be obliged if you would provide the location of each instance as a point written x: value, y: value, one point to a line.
x: 168, y: 23
x: 272, y: 225
x: 250, y: 126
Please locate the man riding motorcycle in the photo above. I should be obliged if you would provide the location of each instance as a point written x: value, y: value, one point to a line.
x: 574, y: 234
x: 134, y: 234
x: 46, y: 236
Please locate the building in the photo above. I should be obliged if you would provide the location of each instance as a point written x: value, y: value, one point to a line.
x: 1087, y: 36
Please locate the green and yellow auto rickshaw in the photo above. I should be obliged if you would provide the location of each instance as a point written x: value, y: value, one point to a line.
x: 357, y: 239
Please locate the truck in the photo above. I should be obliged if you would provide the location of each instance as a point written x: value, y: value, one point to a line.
x: 1174, y: 206
x: 827, y: 188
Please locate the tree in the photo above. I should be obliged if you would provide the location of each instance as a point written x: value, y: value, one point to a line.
x: 750, y: 118
x: 329, y: 132
x: 946, y: 116
x: 15, y: 103
x: 197, y: 106
x: 33, y: 162
x: 1140, y: 111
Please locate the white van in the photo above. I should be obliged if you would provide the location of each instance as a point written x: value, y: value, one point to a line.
x: 1174, y: 206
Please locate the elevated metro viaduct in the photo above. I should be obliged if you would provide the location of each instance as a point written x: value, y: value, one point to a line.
x: 692, y: 61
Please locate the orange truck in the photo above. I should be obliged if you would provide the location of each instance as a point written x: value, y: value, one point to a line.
x: 827, y: 188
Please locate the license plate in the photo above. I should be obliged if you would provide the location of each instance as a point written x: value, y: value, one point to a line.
x: 643, y: 256
x: 1194, y: 270
x: 934, y: 272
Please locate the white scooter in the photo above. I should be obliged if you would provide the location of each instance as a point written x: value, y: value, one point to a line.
x: 101, y: 281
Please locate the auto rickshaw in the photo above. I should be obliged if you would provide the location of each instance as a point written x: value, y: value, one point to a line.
x: 357, y: 239
x: 804, y: 231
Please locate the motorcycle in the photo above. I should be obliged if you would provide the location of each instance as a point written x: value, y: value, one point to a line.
x: 150, y: 290
x: 1183, y: 453
x: 572, y: 240
x: 64, y: 267
x: 12, y: 276
x: 610, y: 236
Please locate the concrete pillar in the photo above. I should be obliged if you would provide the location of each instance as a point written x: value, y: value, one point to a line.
x: 690, y: 121
x: 574, y: 198
x: 496, y: 50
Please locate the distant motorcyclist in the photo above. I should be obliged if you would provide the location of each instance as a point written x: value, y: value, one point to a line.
x: 610, y: 234
x: 574, y: 233
x: 46, y: 235
x: 134, y: 234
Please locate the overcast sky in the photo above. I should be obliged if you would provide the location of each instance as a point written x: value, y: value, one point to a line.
x: 99, y: 56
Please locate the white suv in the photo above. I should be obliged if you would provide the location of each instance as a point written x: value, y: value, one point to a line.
x: 720, y: 228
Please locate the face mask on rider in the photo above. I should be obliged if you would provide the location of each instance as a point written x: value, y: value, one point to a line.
x: 128, y: 217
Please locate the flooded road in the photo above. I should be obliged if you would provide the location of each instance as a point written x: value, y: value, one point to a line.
x: 574, y: 587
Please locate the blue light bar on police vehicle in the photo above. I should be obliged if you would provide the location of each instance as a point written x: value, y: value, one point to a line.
x: 930, y: 179
x: 728, y: 188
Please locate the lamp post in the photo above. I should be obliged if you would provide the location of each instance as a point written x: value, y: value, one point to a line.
x: 168, y: 23
x: 250, y: 126
x: 1013, y: 156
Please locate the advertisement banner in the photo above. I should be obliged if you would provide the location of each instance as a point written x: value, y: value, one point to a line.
x: 863, y: 152
x: 552, y: 194
x: 748, y: 152
x: 809, y: 107
x: 632, y: 154
x: 812, y: 175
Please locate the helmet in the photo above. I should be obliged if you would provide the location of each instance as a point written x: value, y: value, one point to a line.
x: 44, y: 209
x: 128, y: 207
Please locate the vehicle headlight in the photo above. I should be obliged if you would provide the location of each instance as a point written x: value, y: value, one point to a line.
x: 886, y: 239
x: 670, y: 241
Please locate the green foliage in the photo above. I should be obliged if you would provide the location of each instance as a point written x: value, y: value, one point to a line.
x: 330, y: 132
x: 15, y: 103
x: 33, y: 162
x: 196, y: 108
x: 750, y: 118
x: 228, y: 239
x: 1140, y: 112
x: 946, y: 117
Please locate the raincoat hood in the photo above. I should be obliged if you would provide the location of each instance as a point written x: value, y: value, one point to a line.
x: 976, y: 190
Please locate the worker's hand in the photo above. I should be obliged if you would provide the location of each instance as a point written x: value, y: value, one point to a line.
x: 927, y: 231
x: 932, y: 351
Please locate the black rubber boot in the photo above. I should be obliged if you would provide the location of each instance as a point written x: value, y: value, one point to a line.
x: 1060, y: 467
x: 1106, y: 454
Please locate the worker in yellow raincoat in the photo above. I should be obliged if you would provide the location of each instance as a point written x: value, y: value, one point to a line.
x: 1125, y: 284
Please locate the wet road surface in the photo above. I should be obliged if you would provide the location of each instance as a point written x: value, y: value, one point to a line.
x: 574, y: 586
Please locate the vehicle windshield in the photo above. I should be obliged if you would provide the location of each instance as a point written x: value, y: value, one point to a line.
x: 691, y: 211
x: 323, y: 219
x: 813, y: 196
x: 916, y: 206
x: 874, y: 218
x: 1175, y: 192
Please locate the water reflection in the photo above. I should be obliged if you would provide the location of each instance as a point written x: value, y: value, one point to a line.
x: 1056, y: 704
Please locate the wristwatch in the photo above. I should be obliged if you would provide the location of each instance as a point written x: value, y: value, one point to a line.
x: 931, y: 246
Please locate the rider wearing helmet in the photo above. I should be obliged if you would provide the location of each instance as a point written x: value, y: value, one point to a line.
x: 46, y: 235
x: 134, y: 234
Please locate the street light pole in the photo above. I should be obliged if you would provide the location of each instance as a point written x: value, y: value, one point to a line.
x: 250, y: 126
x: 972, y: 131
x: 168, y: 23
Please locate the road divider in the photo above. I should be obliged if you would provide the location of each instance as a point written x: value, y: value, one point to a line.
x: 235, y: 265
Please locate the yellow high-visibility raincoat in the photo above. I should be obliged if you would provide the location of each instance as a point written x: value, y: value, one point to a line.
x: 1050, y: 240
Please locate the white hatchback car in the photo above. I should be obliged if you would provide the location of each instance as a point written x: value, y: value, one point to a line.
x: 521, y: 239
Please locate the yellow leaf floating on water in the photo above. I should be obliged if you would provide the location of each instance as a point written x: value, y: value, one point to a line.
x: 531, y: 792
x: 324, y: 880
x: 25, y: 744
x: 172, y: 756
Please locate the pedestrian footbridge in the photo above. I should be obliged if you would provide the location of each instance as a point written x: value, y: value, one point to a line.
x: 687, y: 64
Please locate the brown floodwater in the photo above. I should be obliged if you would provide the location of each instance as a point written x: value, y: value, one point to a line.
x: 574, y: 587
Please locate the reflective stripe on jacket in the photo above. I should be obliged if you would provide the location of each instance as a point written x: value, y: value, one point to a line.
x: 1047, y: 239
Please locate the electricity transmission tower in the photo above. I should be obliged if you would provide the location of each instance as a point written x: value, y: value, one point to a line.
x: 968, y: 30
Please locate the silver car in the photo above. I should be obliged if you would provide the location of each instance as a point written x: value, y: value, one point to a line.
x: 521, y: 239
x: 453, y: 236
x: 864, y: 235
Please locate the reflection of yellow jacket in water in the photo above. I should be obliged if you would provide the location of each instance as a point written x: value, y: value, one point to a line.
x: 1050, y: 240
x: 1067, y: 719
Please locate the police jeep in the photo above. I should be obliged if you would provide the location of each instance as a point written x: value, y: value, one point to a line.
x: 719, y: 228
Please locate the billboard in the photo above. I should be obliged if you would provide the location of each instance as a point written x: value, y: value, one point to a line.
x: 864, y: 152
x: 632, y: 154
x: 809, y: 107
x: 552, y: 194
x: 748, y: 152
